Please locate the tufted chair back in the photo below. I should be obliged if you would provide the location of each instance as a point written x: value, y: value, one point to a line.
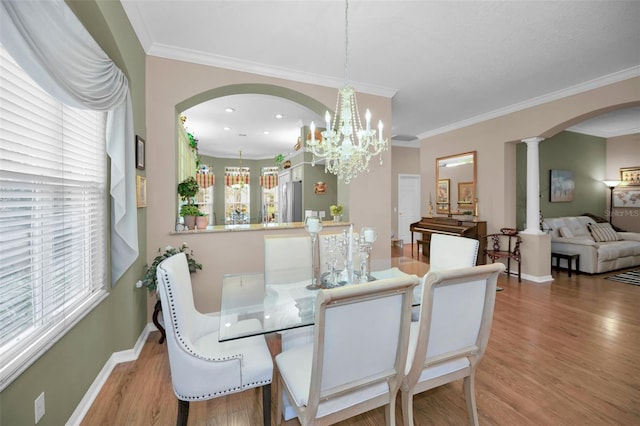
x: 202, y: 367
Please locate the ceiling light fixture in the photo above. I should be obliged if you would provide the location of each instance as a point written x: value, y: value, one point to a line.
x: 229, y: 109
x: 345, y: 146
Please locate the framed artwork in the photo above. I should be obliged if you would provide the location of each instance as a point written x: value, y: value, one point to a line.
x: 630, y: 176
x: 442, y: 196
x: 561, y: 186
x: 139, y: 153
x: 465, y: 193
x: 626, y: 197
x: 141, y: 191
x: 320, y: 188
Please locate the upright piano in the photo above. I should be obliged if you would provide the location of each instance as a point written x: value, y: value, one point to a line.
x: 449, y: 226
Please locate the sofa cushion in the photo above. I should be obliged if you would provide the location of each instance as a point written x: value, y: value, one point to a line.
x: 565, y: 232
x: 602, y: 232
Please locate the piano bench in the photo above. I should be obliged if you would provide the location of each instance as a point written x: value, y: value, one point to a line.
x: 425, y: 246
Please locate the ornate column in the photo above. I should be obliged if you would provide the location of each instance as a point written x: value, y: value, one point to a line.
x: 533, y: 186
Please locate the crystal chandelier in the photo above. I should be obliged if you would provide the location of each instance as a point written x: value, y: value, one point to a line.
x: 346, y: 146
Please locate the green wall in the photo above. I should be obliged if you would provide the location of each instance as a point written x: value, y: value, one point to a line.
x: 585, y: 156
x: 69, y: 367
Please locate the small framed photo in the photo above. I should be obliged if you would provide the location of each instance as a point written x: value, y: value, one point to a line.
x: 465, y: 193
x: 139, y: 153
x: 141, y: 191
x: 626, y: 197
x: 630, y: 176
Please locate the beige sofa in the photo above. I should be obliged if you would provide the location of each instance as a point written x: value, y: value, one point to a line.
x: 581, y: 235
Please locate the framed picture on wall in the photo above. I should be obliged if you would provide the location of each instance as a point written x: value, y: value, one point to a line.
x: 140, y: 153
x: 630, y: 176
x: 561, y: 186
x: 465, y: 193
x: 626, y: 197
x: 141, y: 191
x: 442, y: 197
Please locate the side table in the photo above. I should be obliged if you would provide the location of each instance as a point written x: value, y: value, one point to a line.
x: 570, y: 257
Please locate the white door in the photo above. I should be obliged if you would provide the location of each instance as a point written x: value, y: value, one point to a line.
x: 408, y: 204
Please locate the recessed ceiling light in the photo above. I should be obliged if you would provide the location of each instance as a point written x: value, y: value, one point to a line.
x: 279, y: 116
x: 227, y: 128
x: 229, y: 109
x: 266, y: 132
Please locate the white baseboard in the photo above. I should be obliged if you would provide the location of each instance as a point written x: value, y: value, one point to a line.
x: 538, y: 279
x: 115, y: 359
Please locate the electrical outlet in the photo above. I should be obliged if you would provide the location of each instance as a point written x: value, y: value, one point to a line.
x: 39, y: 407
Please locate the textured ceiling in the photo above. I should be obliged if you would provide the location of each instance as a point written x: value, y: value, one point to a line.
x: 444, y: 63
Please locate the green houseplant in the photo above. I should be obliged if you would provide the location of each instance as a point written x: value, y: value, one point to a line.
x: 187, y: 189
x: 150, y: 280
x: 189, y: 210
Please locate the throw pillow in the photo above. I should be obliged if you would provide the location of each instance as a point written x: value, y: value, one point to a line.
x: 602, y: 232
x: 565, y: 232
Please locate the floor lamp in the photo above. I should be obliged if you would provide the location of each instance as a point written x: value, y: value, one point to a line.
x: 611, y: 184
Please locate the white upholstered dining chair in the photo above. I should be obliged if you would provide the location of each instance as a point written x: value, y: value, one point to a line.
x: 202, y: 367
x: 447, y: 252
x: 357, y: 359
x: 451, y: 334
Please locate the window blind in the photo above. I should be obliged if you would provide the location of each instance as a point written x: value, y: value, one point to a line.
x: 53, y: 204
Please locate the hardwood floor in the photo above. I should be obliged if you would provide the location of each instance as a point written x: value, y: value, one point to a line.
x: 563, y: 353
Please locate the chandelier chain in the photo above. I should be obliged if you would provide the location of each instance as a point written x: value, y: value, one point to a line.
x: 345, y: 146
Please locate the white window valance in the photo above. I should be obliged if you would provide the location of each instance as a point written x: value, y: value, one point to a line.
x: 48, y: 41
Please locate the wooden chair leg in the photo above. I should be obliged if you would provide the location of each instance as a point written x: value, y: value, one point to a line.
x: 266, y: 404
x: 470, y: 396
x: 183, y: 413
x: 407, y: 408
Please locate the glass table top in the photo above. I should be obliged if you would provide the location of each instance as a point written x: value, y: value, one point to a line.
x: 280, y: 303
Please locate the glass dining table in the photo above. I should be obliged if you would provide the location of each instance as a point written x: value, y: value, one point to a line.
x: 277, y: 306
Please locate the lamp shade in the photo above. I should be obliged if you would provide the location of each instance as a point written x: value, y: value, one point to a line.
x: 611, y: 183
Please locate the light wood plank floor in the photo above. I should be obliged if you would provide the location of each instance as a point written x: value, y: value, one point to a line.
x: 564, y: 353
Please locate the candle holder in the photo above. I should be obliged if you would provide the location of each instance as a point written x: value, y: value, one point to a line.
x: 313, y: 225
x: 367, y: 237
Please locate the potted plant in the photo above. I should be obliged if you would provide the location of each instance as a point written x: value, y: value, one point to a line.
x: 468, y: 214
x: 189, y: 212
x: 202, y: 220
x: 150, y: 280
x: 279, y: 159
x: 187, y: 189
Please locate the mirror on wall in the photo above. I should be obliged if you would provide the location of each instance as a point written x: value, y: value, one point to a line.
x: 456, y: 184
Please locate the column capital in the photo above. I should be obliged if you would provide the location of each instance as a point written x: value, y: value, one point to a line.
x: 535, y: 139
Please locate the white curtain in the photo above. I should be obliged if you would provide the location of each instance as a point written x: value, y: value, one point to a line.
x: 49, y: 42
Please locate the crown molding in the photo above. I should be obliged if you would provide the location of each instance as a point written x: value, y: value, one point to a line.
x: 198, y: 57
x: 569, y: 91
